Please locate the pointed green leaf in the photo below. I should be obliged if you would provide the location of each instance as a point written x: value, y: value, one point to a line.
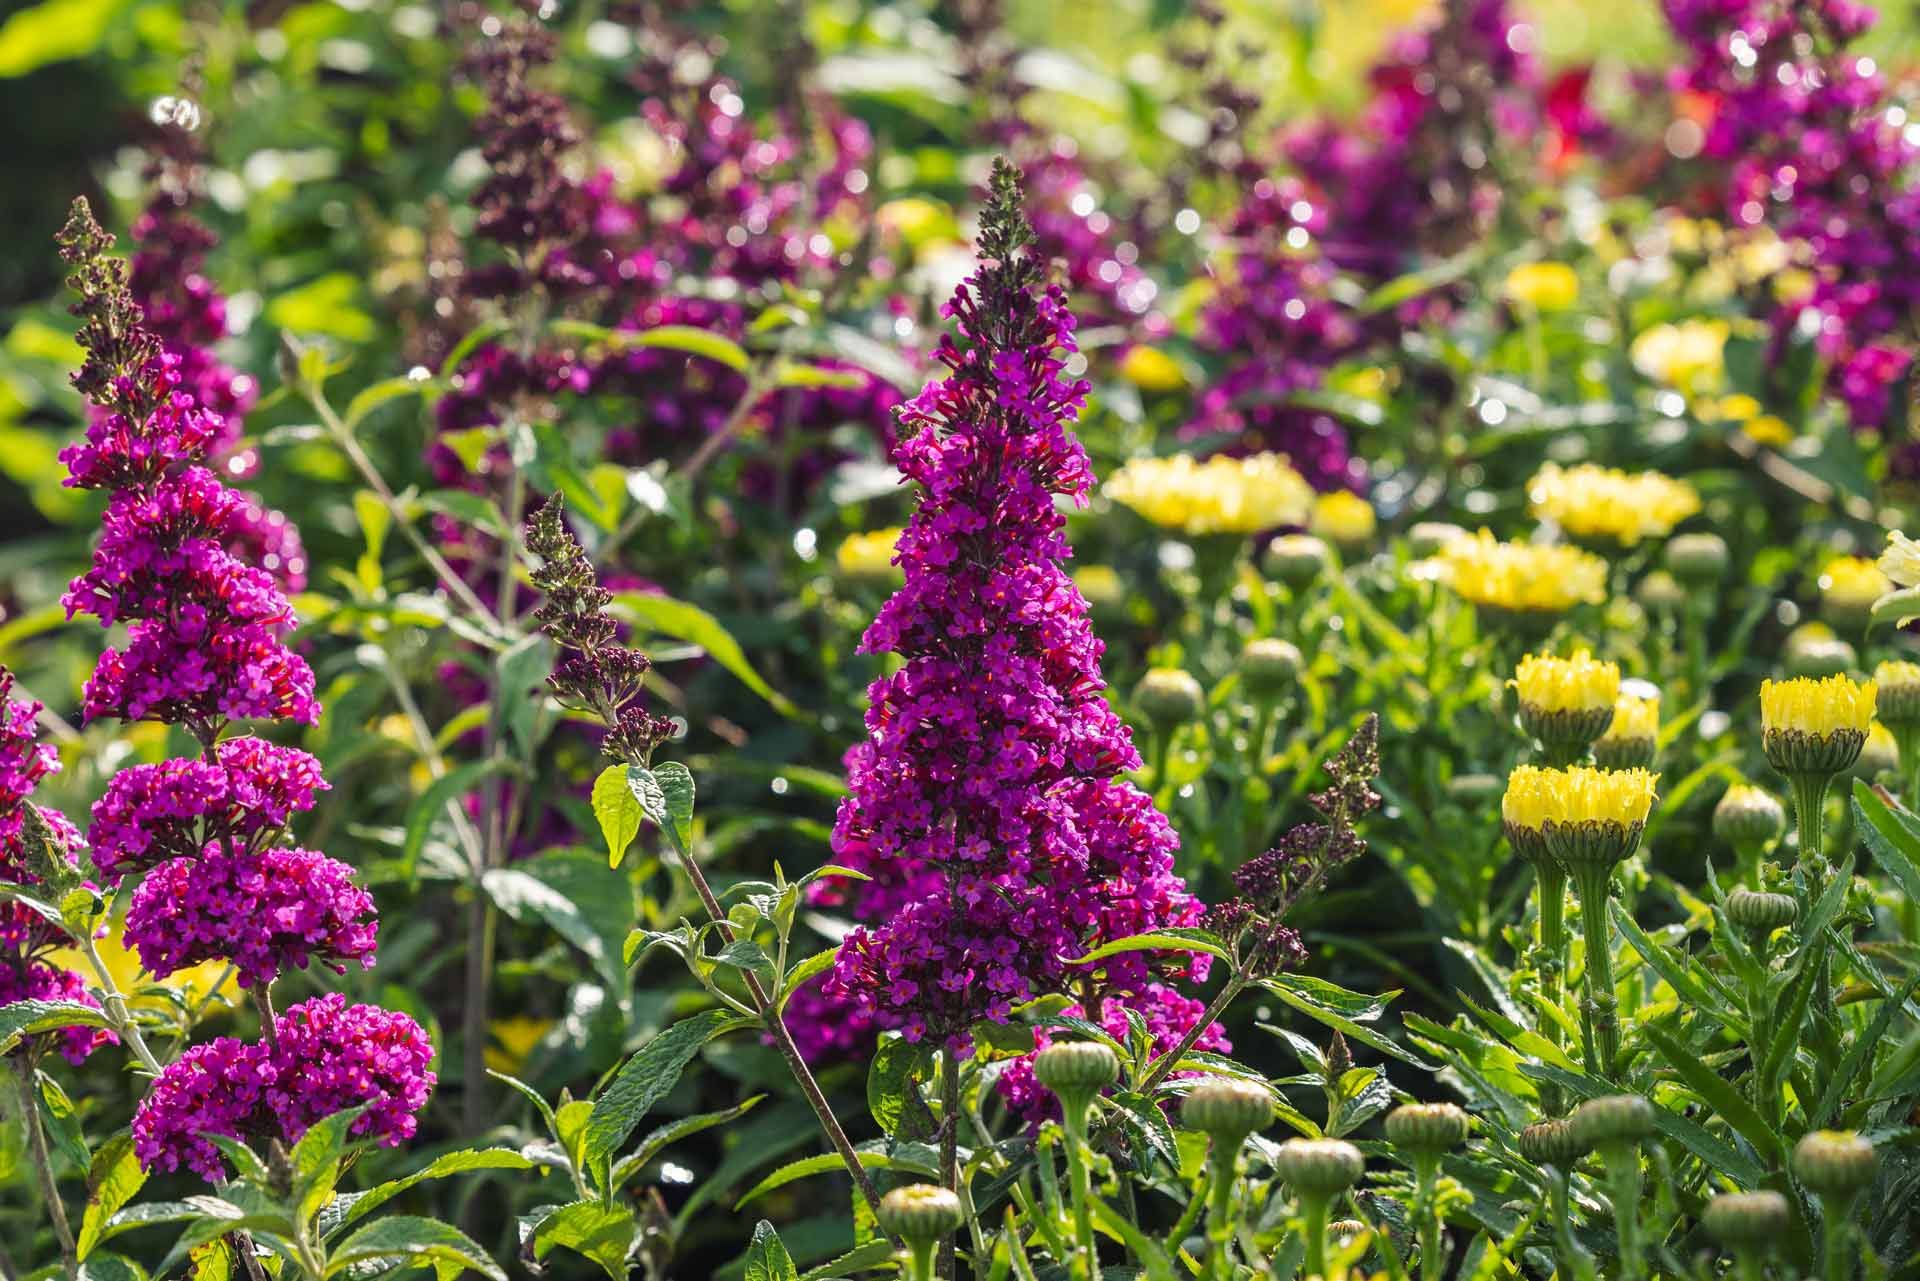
x: 617, y: 809
x: 767, y: 1257
x: 411, y: 1240
x: 604, y: 1234
x: 112, y: 1182
x: 645, y: 1079
x: 690, y: 623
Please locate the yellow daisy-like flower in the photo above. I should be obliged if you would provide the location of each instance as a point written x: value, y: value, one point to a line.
x: 1826, y: 706
x: 1344, y: 518
x: 1578, y: 684
x: 1690, y: 355
x: 1525, y: 578
x: 1219, y: 495
x: 1851, y: 584
x: 1538, y: 796
x: 1629, y: 740
x: 1544, y: 286
x: 1901, y: 560
x: 1590, y: 501
x: 1151, y: 369
x: 1898, y: 699
x: 869, y: 555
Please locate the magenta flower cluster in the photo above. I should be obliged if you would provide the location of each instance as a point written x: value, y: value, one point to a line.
x: 25, y: 936
x: 1813, y: 146
x: 207, y: 647
x: 984, y: 802
x: 327, y: 1056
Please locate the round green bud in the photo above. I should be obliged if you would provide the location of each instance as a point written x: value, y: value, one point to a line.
x: 1897, y: 702
x: 1612, y: 1119
x: 1076, y: 1067
x: 1697, y: 559
x: 1821, y: 656
x: 1169, y: 698
x: 1269, y: 666
x: 1431, y: 537
x: 919, y: 1213
x: 1319, y: 1167
x: 1748, y: 816
x: 1661, y: 592
x: 1227, y: 1108
x: 1551, y: 1142
x: 1835, y: 1162
x: 1747, y: 1219
x: 1427, y: 1127
x: 1297, y: 559
x: 1765, y: 913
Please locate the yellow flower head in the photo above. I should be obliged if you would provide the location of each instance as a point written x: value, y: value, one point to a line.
x: 1544, y: 286
x: 1690, y: 355
x: 1151, y: 369
x: 1879, y: 754
x: 1523, y: 577
x: 1768, y: 430
x: 869, y: 555
x: 1343, y: 518
x: 1578, y: 684
x: 1898, y: 700
x: 1217, y: 496
x: 1852, y: 584
x: 1901, y: 560
x: 1537, y: 796
x: 513, y: 1040
x: 1634, y: 718
x: 1100, y: 585
x: 1819, y: 707
x: 1590, y: 501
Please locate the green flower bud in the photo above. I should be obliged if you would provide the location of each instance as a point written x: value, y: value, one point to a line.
x: 1551, y: 1143
x: 1661, y: 592
x: 920, y: 1213
x: 1319, y: 1167
x: 1821, y: 656
x: 1169, y: 698
x: 1835, y: 1162
x: 1747, y: 816
x: 1297, y: 559
x: 1269, y: 666
x: 1228, y: 1109
x: 1738, y: 1219
x: 1697, y: 559
x: 1431, y: 537
x: 1763, y: 913
x: 1076, y: 1067
x: 1897, y: 702
x: 1615, y: 1118
x: 1427, y: 1127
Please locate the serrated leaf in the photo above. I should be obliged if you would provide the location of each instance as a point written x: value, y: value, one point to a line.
x: 1718, y: 1093
x: 665, y: 795
x: 645, y: 1079
x: 617, y: 810
x: 442, y: 1166
x: 859, y: 1259
x: 602, y: 1233
x: 409, y: 1239
x: 30, y: 1018
x: 892, y: 1098
x: 111, y: 1182
x: 1891, y: 836
x: 767, y: 1257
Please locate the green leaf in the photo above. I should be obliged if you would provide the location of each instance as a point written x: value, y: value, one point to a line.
x: 826, y: 1161
x: 1858, y: 1053
x: 1172, y: 939
x: 1673, y: 968
x: 29, y: 1018
x: 602, y: 1233
x: 861, y: 1258
x: 1718, y: 1093
x: 690, y: 623
x: 316, y: 1159
x: 54, y: 31
x: 1340, y: 1009
x: 819, y: 963
x: 532, y: 1096
x: 687, y: 338
x: 645, y: 1079
x: 579, y: 897
x: 442, y: 1166
x: 1144, y: 1117
x: 1897, y: 607
x: 667, y: 1135
x: 520, y: 672
x: 412, y: 1240
x: 665, y: 795
x: 1153, y: 1259
x: 111, y: 1183
x: 618, y: 810
x: 112, y: 1267
x: 767, y: 1257
x: 377, y: 394
x: 431, y: 805
x: 893, y: 1099
x: 324, y: 305
x: 1891, y: 836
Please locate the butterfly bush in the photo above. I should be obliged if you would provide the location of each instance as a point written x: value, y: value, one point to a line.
x: 984, y: 802
x: 207, y: 647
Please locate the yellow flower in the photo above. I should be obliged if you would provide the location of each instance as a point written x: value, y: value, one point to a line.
x: 1342, y: 517
x: 1820, y: 707
x: 1578, y: 684
x: 1523, y: 577
x: 1879, y: 754
x: 1100, y: 585
x: 1768, y: 430
x: 1690, y: 355
x: 1635, y: 717
x: 869, y: 555
x: 1590, y: 501
x: 1851, y: 584
x: 917, y: 220
x: 195, y: 982
x: 1898, y: 701
x: 1901, y: 560
x: 1151, y: 369
x: 510, y: 1041
x: 1544, y: 286
x: 1537, y: 796
x: 1217, y: 496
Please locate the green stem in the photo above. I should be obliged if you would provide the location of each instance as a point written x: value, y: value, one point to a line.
x: 1313, y: 1211
x: 1749, y: 1265
x: 920, y: 1261
x: 1425, y: 1185
x: 1564, y: 1246
x: 1162, y: 749
x: 1836, y: 1232
x: 1809, y: 798
x: 1599, y: 1007
x: 1161, y: 1066
x: 1074, y: 1116
x: 1224, y: 1164
x: 114, y: 1005
x: 1623, y: 1186
x: 43, y: 1166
